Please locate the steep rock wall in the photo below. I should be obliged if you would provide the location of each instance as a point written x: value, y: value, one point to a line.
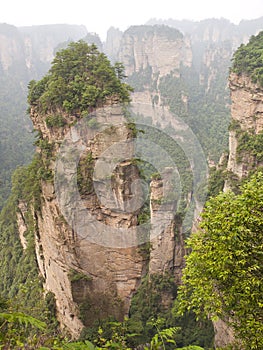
x: 163, y: 49
x: 247, y: 117
x: 167, y: 247
x: 89, y: 280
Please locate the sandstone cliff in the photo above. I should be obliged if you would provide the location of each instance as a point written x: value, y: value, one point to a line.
x: 246, y: 126
x: 87, y: 234
x: 90, y: 277
x: 33, y: 47
x: 247, y: 122
x: 167, y: 248
x: 160, y: 47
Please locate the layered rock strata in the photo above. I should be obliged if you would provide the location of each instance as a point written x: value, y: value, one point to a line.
x: 90, y: 278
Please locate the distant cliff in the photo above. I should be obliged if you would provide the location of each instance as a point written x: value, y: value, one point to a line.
x: 160, y: 48
x: 34, y: 46
x: 184, y: 65
x: 25, y: 53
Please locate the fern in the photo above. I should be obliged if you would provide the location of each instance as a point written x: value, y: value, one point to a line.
x: 21, y: 318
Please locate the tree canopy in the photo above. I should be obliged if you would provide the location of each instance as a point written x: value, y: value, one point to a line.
x: 80, y: 78
x: 248, y: 59
x: 224, y: 271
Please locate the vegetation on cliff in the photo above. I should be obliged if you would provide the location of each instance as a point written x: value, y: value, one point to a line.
x: 224, y: 273
x: 79, y: 79
x: 248, y: 59
x: 162, y: 30
x: 223, y: 276
x: 21, y: 292
x: 15, y: 137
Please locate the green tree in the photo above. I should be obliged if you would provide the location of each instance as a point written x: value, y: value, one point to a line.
x: 224, y: 271
x: 79, y: 79
x: 248, y: 59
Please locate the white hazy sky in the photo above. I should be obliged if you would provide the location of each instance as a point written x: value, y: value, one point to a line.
x: 99, y: 15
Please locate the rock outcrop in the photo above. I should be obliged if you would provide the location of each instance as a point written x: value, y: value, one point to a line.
x: 94, y: 275
x: 32, y: 48
x: 90, y: 277
x: 247, y: 122
x: 247, y: 118
x: 161, y: 48
x: 87, y: 241
x: 167, y: 241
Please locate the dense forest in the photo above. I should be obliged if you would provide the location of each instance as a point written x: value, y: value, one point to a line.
x: 248, y: 59
x: 16, y: 136
x: 217, y: 282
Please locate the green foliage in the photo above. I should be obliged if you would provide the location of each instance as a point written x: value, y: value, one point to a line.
x: 15, y: 328
x: 251, y: 144
x: 205, y: 110
x: 248, y: 59
x: 141, y: 79
x: 55, y: 121
x: 223, y: 274
x: 75, y: 276
x: 19, y: 275
x: 84, y: 174
x: 19, y: 317
x: 152, y: 301
x: 79, y: 79
x: 217, y: 176
x: 93, y: 123
x: 16, y: 139
x: 119, y: 336
x: 191, y: 347
x: 162, y: 336
x: 172, y: 89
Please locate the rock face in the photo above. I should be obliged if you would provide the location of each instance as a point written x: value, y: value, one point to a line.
x: 93, y: 275
x: 32, y: 48
x: 247, y: 117
x: 159, y: 47
x: 112, y: 44
x: 11, y: 46
x: 91, y: 279
x: 224, y: 335
x: 167, y: 241
x: 21, y: 223
x: 85, y: 259
x: 41, y: 41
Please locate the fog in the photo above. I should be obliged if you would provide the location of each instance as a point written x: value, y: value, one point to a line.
x: 99, y: 15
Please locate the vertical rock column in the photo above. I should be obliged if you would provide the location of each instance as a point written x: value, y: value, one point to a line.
x: 167, y: 245
x: 247, y: 117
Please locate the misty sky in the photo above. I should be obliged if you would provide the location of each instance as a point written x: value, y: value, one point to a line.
x: 99, y: 15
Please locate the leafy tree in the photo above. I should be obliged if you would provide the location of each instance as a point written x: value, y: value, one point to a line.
x: 248, y: 59
x: 79, y: 79
x: 15, y: 328
x: 224, y: 271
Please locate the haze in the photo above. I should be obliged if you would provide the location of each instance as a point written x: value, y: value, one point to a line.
x: 99, y: 15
